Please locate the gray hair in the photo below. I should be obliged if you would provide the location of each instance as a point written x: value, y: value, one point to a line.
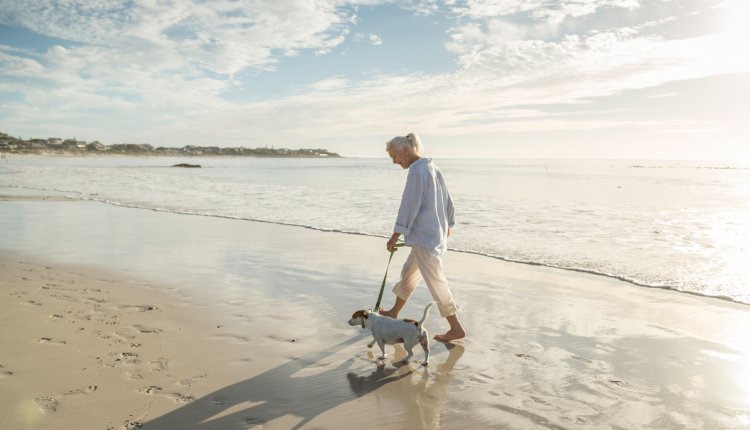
x: 410, y: 140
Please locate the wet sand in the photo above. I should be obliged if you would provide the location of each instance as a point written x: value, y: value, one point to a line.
x: 118, y: 318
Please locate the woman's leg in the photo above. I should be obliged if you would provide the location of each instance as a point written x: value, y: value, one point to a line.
x: 431, y: 268
x: 410, y: 277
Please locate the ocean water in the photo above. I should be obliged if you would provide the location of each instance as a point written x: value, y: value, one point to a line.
x: 678, y: 225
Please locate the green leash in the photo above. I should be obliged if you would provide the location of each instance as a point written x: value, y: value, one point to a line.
x: 382, y: 286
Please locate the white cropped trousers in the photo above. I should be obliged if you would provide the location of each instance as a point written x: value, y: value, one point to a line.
x: 422, y: 264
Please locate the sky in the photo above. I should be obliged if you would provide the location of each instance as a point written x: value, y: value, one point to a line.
x: 640, y: 79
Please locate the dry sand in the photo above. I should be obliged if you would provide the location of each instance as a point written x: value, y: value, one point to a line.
x: 184, y: 322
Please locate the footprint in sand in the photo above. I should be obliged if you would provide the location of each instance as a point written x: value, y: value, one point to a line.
x: 63, y: 298
x: 4, y: 373
x: 33, y: 303
x: 139, y: 308
x: 633, y: 387
x: 189, y: 382
x: 526, y: 357
x: 51, y: 341
x: 126, y: 333
x: 477, y: 380
x: 114, y: 359
x: 130, y: 357
x: 181, y: 398
x: 540, y: 401
x: 151, y: 389
x: 177, y: 397
x: 158, y: 365
x: 85, y: 390
x: 146, y: 329
x: 132, y: 425
x: 46, y: 405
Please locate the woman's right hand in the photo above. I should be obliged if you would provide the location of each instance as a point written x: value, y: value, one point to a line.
x: 391, y: 245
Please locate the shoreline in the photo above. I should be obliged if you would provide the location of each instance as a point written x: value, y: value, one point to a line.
x: 622, y: 278
x: 253, y: 325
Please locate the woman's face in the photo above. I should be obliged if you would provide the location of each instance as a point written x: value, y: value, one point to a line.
x: 400, y: 157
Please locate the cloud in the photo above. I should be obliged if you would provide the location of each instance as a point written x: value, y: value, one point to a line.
x: 333, y: 83
x: 554, y: 11
x: 371, y: 38
x: 14, y: 66
x: 374, y: 39
x: 220, y: 36
x: 158, y: 71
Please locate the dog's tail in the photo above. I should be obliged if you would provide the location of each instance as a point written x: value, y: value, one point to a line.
x: 424, y: 316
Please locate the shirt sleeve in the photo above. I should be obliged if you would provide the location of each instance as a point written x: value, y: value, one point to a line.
x: 451, y: 212
x: 410, y: 203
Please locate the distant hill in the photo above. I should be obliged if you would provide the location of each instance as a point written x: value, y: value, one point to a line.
x: 56, y: 145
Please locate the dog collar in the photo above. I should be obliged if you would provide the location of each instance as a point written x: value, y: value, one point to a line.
x: 368, y: 312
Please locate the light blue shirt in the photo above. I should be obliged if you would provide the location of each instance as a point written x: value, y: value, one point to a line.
x: 426, y: 210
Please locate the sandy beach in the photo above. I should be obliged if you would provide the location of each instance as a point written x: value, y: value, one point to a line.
x: 120, y: 318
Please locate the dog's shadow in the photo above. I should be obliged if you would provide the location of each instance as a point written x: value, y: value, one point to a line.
x: 424, y: 400
x: 361, y: 385
x: 277, y: 393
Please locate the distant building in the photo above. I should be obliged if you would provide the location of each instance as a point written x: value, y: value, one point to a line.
x: 96, y: 146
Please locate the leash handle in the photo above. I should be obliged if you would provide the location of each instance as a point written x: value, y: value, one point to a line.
x: 382, y: 286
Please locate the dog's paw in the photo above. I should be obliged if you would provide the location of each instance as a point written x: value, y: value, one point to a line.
x: 425, y: 363
x: 382, y: 357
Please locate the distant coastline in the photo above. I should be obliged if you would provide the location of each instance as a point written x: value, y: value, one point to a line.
x: 58, y: 146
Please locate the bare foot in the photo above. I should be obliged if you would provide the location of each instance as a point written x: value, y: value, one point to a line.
x: 390, y: 313
x: 450, y: 335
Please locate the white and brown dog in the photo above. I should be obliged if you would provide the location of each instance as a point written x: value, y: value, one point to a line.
x: 389, y: 331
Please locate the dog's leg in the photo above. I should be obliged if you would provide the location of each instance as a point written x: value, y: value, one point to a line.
x: 425, y: 342
x: 370, y: 345
x: 408, y: 347
x: 381, y: 344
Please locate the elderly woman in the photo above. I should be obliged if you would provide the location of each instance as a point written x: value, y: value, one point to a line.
x: 425, y: 218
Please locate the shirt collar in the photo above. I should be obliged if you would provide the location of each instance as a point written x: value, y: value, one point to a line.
x: 422, y: 160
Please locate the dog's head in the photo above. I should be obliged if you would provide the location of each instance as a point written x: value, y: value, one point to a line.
x: 359, y: 318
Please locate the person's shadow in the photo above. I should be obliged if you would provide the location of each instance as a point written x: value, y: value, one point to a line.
x: 276, y: 393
